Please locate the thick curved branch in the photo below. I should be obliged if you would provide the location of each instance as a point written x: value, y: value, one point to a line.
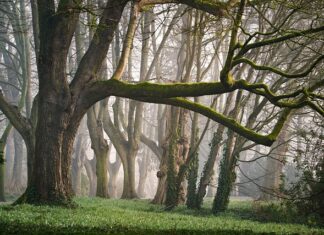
x: 152, y: 145
x: 102, y: 89
x: 226, y: 121
x: 21, y: 123
x: 115, y: 136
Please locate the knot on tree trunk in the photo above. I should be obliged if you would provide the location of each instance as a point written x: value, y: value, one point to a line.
x: 160, y: 174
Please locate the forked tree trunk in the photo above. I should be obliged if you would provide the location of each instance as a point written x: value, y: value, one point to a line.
x: 60, y: 104
x: 51, y: 141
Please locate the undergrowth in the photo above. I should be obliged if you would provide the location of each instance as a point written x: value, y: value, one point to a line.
x: 102, y: 216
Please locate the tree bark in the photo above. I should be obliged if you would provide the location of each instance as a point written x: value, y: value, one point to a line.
x: 16, y: 184
x: 90, y: 166
x: 129, y: 188
x: 113, y: 169
x: 143, y: 171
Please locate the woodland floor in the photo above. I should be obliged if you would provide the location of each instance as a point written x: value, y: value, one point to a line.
x: 100, y: 216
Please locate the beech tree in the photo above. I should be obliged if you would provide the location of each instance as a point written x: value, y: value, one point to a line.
x: 61, y: 103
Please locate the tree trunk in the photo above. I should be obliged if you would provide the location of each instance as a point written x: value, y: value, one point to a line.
x: 100, y: 148
x: 208, y: 170
x: 212, y: 187
x: 129, y: 189
x: 274, y: 166
x: 192, y: 181
x: 113, y: 174
x: 16, y: 184
x: 2, y: 178
x: 173, y: 151
x: 77, y: 165
x: 160, y: 194
x: 102, y: 175
x: 2, y: 172
x: 226, y: 177
x: 143, y: 170
x: 90, y: 166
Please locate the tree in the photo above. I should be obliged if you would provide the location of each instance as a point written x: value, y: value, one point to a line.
x: 60, y: 104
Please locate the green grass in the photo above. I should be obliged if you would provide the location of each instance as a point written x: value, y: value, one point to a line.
x: 99, y: 216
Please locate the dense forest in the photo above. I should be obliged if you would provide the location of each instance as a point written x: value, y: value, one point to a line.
x: 175, y: 103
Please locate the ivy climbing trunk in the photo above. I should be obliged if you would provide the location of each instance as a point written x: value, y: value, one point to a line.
x: 227, y: 175
x: 171, y: 194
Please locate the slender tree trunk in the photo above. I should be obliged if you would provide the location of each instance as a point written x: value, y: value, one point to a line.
x: 173, y: 151
x: 78, y: 160
x: 16, y: 184
x: 113, y: 174
x: 2, y: 179
x: 100, y: 147
x: 208, y: 170
x: 102, y: 175
x: 9, y: 159
x: 274, y: 166
x: 212, y: 187
x: 2, y: 162
x: 143, y: 171
x: 90, y: 166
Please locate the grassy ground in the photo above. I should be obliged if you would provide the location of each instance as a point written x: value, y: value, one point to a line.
x: 99, y: 216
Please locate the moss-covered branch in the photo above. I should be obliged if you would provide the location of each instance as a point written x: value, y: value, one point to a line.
x: 102, y: 89
x: 226, y: 121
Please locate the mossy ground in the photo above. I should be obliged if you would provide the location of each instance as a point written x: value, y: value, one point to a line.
x: 102, y: 216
